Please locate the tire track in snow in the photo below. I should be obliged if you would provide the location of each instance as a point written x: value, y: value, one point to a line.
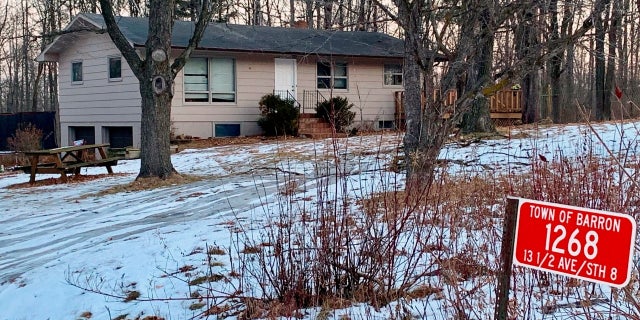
x: 47, y: 231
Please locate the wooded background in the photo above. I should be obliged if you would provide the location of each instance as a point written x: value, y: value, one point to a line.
x: 585, y: 73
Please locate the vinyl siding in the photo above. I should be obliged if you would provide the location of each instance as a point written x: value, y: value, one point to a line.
x: 102, y: 103
x: 372, y: 100
x: 96, y: 101
x: 255, y: 78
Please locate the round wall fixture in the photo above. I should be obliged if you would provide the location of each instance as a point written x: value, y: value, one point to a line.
x: 158, y: 55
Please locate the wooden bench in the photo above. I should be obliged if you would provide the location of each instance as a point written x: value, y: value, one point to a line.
x: 68, y: 160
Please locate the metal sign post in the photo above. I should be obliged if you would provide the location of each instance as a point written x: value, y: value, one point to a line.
x: 506, y: 257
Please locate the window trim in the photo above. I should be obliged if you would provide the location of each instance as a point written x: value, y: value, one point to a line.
x: 73, y: 81
x: 332, y: 77
x: 113, y: 79
x: 384, y: 75
x: 210, y: 92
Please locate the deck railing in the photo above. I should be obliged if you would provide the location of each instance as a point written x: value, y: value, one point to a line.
x: 504, y: 104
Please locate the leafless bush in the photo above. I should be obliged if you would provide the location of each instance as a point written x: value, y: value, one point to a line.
x: 332, y: 239
x: 329, y: 245
x: 27, y: 138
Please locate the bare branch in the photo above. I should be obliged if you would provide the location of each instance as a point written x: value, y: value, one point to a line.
x: 4, y: 19
x: 128, y: 51
x: 203, y: 21
x: 529, y: 63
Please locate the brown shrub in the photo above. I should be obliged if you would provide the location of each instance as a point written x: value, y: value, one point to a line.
x: 27, y: 138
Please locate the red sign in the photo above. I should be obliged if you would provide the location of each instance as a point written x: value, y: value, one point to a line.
x: 577, y: 242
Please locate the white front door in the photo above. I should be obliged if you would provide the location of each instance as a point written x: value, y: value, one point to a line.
x: 285, y: 85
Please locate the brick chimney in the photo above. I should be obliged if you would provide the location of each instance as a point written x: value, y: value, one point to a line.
x: 301, y: 24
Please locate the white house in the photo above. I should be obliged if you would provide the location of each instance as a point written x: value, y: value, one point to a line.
x: 217, y: 92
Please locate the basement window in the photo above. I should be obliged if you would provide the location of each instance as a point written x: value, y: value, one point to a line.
x: 227, y: 130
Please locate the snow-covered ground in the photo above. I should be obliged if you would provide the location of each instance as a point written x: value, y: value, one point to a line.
x: 52, y: 236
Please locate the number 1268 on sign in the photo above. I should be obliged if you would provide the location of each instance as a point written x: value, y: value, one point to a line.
x: 577, y: 242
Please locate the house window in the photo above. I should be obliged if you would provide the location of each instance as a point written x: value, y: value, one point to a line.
x: 76, y: 71
x: 210, y: 80
x: 332, y: 75
x: 119, y: 137
x: 88, y: 134
x: 115, y: 68
x: 227, y: 130
x: 386, y: 124
x: 393, y: 74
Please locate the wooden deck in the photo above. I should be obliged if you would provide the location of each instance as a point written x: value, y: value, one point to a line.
x: 505, y: 106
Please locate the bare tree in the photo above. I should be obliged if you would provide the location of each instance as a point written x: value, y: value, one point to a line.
x: 601, y: 110
x: 426, y: 125
x: 156, y: 74
x: 479, y: 30
x: 613, y: 32
x: 527, y: 46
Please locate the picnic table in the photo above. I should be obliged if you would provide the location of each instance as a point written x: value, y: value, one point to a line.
x: 68, y: 160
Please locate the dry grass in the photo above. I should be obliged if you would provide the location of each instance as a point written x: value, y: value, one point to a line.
x: 132, y: 295
x: 457, y: 264
x: 226, y: 141
x: 251, y: 250
x: 216, y: 251
x: 205, y: 279
x: 150, y: 183
x: 71, y: 179
x: 10, y: 160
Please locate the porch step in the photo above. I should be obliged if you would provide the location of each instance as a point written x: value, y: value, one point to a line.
x: 315, y: 125
x: 315, y: 130
x: 323, y: 135
x: 311, y: 126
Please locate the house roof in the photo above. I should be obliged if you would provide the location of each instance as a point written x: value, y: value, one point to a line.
x: 242, y: 38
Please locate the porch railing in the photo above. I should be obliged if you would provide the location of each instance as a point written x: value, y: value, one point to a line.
x: 310, y: 100
x: 287, y: 95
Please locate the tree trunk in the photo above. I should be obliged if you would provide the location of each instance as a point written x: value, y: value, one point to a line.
x: 554, y: 65
x: 155, y: 155
x: 328, y: 14
x: 309, y: 13
x: 341, y: 15
x: 568, y: 80
x: 361, y: 16
x: 614, y: 29
x: 425, y: 126
x: 478, y: 117
x: 412, y: 90
x: 155, y: 75
x: 530, y: 97
x: 600, y: 65
x: 257, y: 13
x: 292, y: 13
x: 526, y: 44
